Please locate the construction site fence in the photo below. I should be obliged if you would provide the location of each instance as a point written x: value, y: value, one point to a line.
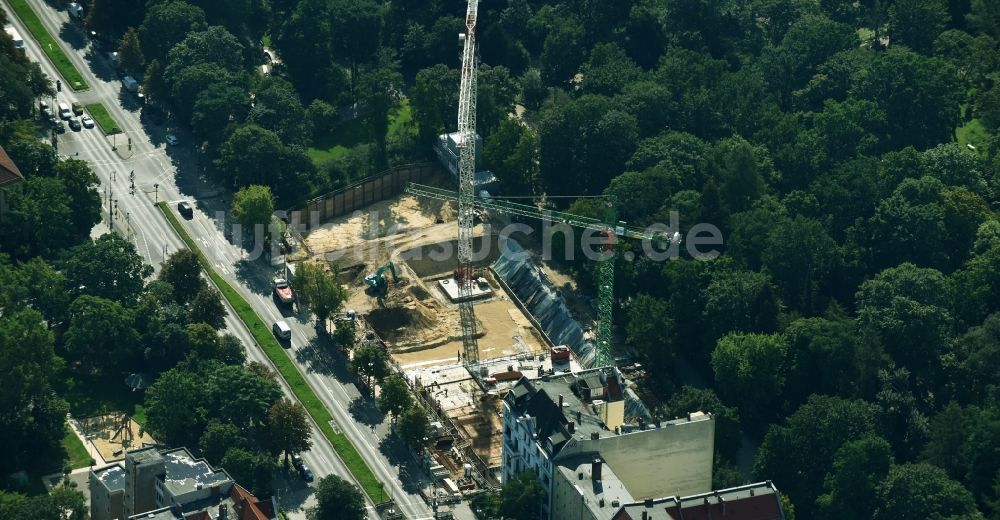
x: 369, y: 190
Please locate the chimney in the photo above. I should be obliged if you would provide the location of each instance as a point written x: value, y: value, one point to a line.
x: 595, y: 469
x: 722, y: 501
x: 658, y: 422
x: 689, y: 416
x: 579, y: 416
x: 645, y: 515
x: 223, y: 511
x: 560, y: 401
x: 594, y: 436
x: 571, y: 427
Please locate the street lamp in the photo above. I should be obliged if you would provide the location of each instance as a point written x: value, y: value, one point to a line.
x: 156, y: 193
x: 371, y: 370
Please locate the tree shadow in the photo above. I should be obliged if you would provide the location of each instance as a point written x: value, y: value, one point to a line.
x: 100, y: 65
x: 318, y: 356
x: 366, y: 411
x: 293, y: 491
x: 398, y: 453
x: 255, y: 275
x: 73, y: 36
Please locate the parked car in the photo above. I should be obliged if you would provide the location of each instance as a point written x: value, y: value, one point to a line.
x: 74, y: 124
x: 301, y: 467
x: 44, y: 105
x: 59, y: 125
x: 77, y: 108
x: 185, y: 209
x: 64, y: 111
x: 88, y: 122
x: 171, y: 139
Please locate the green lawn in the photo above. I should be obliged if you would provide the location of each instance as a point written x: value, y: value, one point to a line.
x: 76, y: 453
x: 103, y: 118
x: 352, y: 133
x: 289, y: 372
x: 49, y: 45
x: 973, y: 133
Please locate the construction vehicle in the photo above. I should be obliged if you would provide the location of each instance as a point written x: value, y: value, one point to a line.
x: 610, y: 228
x: 377, y: 281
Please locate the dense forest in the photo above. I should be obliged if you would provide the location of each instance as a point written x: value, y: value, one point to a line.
x: 847, y: 151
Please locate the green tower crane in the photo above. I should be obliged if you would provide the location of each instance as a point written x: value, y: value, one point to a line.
x: 609, y: 227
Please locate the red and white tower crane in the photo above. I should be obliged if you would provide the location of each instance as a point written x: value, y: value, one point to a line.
x: 465, y: 273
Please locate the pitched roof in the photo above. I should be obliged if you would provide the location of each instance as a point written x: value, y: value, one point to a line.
x: 250, y: 507
x: 9, y: 174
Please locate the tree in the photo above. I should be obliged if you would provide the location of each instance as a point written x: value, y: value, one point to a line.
x: 922, y: 490
x: 277, y: 108
x: 220, y: 437
x: 370, y: 361
x: 239, y: 395
x: 101, y: 337
x: 740, y: 301
x: 217, y: 108
x: 206, y: 307
x: 108, y: 267
x: 394, y: 397
x: 650, y: 329
x: 288, y: 428
x: 749, y: 370
x: 213, y: 46
x: 113, y: 16
x: 562, y: 52
x: 827, y: 356
x: 337, y: 499
x: 255, y: 470
x: 253, y: 155
x: 800, y: 255
x: 322, y: 117
x: 176, y: 407
x: 154, y: 86
x: 919, y: 95
x: 166, y: 24
x: 908, y: 307
x: 533, y: 90
x: 39, y: 221
x: 31, y: 415
x: 413, y: 426
x: 800, y: 452
x: 378, y: 92
x: 917, y: 23
x: 852, y: 484
x: 81, y: 185
x: 511, y: 152
x: 253, y: 207
x: 434, y: 101
x: 182, y: 271
x: 318, y: 290
x: 130, y: 57
x: 231, y: 350
x: 521, y: 497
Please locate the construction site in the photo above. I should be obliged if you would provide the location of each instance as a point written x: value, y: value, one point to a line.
x: 412, y: 307
x: 463, y: 313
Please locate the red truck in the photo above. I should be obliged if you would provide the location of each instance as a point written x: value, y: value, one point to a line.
x: 283, y: 291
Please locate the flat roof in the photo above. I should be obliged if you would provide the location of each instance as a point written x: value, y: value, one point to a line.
x: 184, y: 473
x: 113, y: 477
x: 609, y: 487
x: 144, y: 456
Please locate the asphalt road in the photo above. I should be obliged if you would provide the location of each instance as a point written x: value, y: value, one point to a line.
x: 172, y: 174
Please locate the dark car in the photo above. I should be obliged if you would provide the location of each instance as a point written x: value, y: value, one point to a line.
x: 185, y: 209
x: 301, y: 467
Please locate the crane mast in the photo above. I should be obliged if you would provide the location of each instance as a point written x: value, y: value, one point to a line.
x: 464, y: 274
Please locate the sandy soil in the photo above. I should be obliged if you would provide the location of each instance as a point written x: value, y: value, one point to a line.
x: 398, y: 216
x: 101, y: 433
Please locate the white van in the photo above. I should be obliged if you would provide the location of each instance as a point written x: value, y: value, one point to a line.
x: 65, y: 112
x: 282, y: 330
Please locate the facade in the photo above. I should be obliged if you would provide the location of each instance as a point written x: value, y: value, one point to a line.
x: 447, y: 150
x: 107, y: 493
x: 171, y: 484
x: 556, y: 425
x: 10, y: 180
